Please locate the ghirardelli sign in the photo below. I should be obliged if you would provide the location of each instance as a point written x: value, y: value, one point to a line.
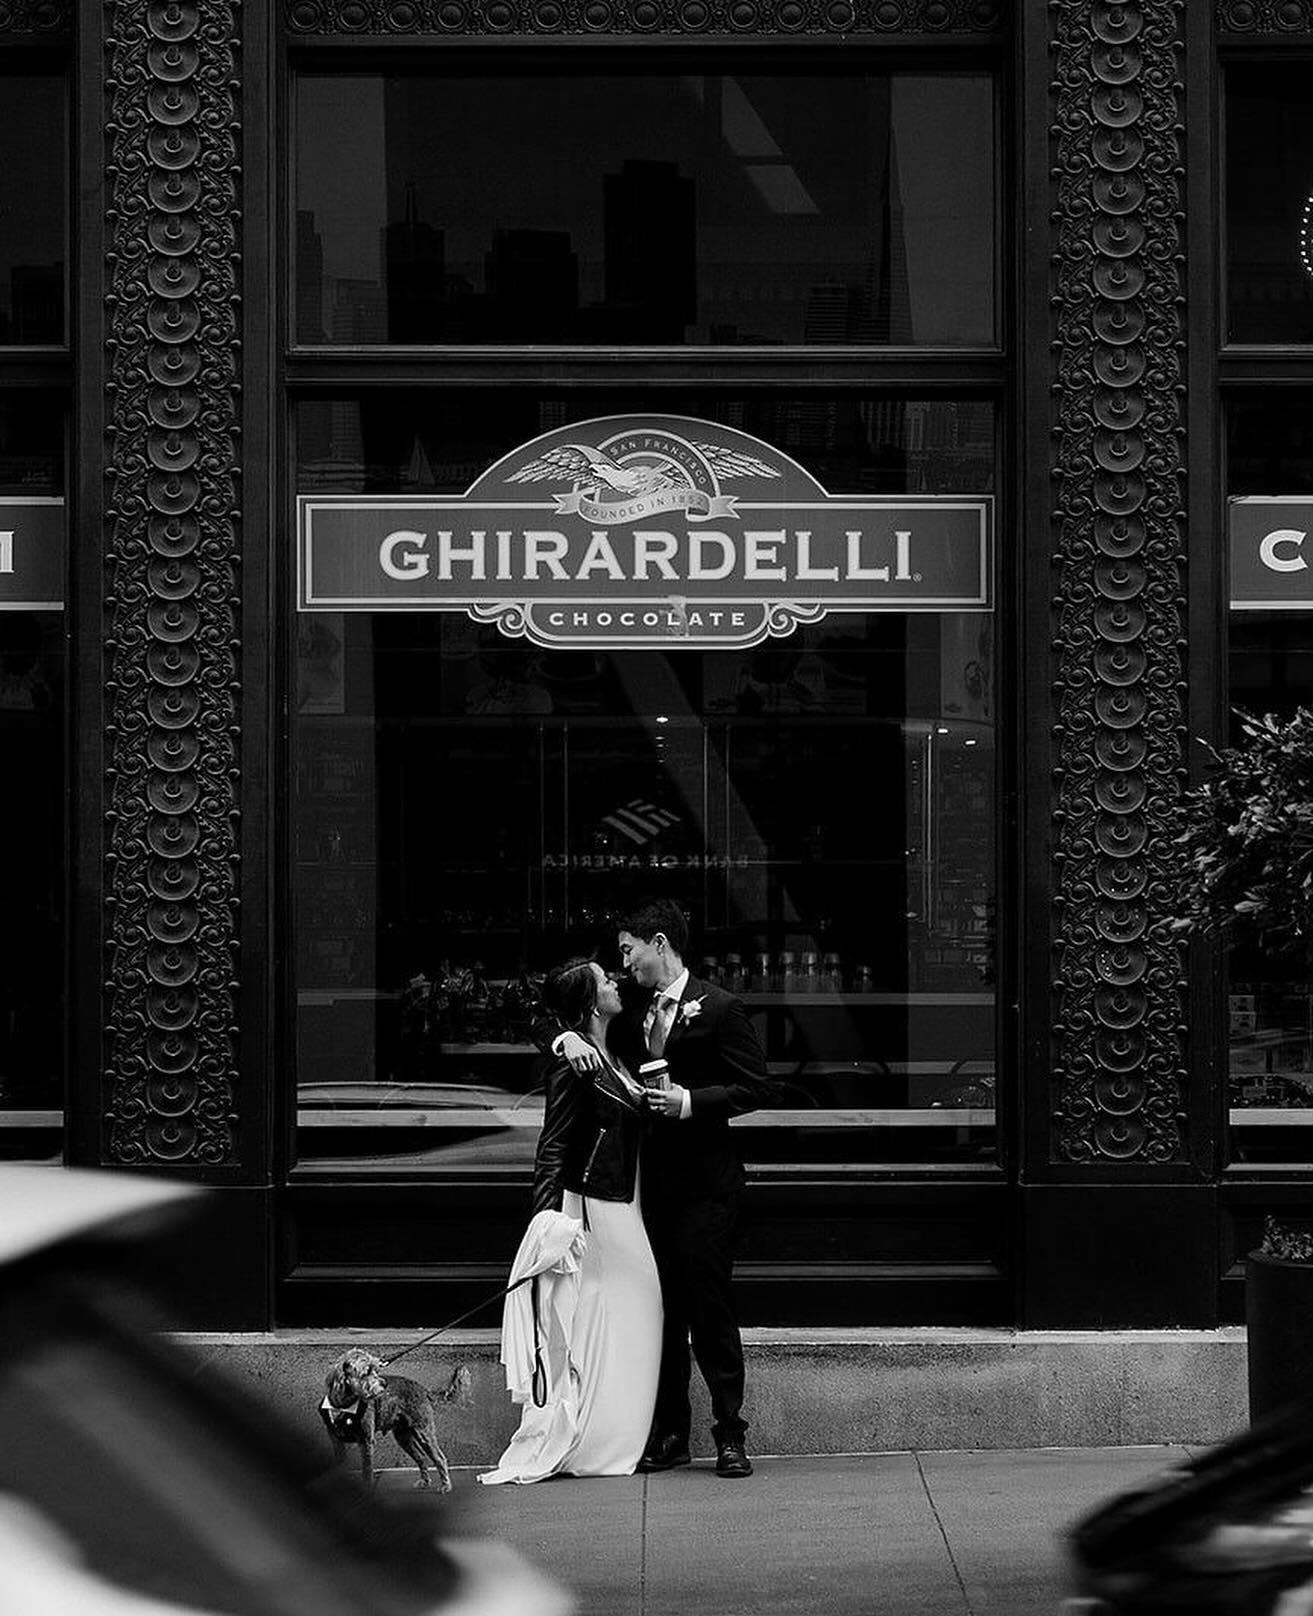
x: 32, y: 545
x: 1271, y: 542
x: 644, y: 531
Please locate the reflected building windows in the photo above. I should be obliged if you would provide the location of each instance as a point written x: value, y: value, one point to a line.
x: 1269, y: 204
x: 33, y: 216
x: 636, y: 209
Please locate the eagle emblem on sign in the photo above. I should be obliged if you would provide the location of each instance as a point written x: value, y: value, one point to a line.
x: 641, y: 474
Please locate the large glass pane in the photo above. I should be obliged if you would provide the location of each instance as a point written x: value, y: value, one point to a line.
x: 632, y: 208
x: 1270, y: 670
x: 470, y: 809
x: 32, y: 807
x: 33, y: 209
x: 1269, y: 203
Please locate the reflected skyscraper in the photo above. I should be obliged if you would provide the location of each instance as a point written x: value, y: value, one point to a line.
x: 37, y: 303
x: 532, y: 279
x: 414, y: 271
x: 309, y: 279
x: 831, y: 313
x: 650, y: 232
x: 886, y: 307
x: 359, y: 312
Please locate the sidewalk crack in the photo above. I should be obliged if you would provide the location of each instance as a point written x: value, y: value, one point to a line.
x: 642, y: 1552
x: 948, y: 1547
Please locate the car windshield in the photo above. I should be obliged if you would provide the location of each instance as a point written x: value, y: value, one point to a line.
x: 157, y: 1493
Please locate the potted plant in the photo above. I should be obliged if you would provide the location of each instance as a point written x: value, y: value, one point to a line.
x: 1279, y: 1317
x: 1248, y: 875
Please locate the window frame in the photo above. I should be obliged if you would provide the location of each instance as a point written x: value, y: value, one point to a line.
x: 961, y: 1217
x: 47, y: 370
x: 1238, y: 369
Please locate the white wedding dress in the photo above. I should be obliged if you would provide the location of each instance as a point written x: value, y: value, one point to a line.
x: 599, y: 1347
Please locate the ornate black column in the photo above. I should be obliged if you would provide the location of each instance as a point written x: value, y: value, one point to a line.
x: 1116, y: 1236
x: 158, y: 568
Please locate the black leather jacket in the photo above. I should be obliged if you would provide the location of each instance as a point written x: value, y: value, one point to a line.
x: 589, y: 1141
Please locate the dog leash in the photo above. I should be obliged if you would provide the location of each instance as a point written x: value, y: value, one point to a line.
x: 539, y: 1369
x: 452, y: 1323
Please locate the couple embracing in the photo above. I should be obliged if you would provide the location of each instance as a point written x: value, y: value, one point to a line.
x: 635, y: 1199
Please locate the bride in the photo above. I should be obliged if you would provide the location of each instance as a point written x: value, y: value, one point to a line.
x: 582, y: 1342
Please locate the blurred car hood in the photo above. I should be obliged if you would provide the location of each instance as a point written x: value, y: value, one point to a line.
x: 42, y: 1206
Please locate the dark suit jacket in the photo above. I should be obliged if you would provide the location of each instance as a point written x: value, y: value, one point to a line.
x: 714, y: 1053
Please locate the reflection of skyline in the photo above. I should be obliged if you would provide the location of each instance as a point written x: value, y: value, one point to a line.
x: 36, y: 305
x: 652, y: 290
x: 650, y: 230
x: 878, y: 308
x: 414, y: 259
x: 871, y: 446
x: 786, y: 200
x: 531, y: 279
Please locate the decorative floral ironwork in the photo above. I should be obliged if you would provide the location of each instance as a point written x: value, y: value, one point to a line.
x: 1119, y: 559
x: 171, y: 586
x: 622, y: 17
x: 1265, y: 16
x: 40, y: 18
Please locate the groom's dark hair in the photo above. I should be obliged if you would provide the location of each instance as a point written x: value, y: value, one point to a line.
x: 657, y: 915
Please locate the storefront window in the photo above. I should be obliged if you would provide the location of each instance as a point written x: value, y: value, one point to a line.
x: 1269, y: 203
x: 33, y: 223
x: 470, y: 808
x: 32, y: 809
x: 626, y: 208
x: 1270, y: 456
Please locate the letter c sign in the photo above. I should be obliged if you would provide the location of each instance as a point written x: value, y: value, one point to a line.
x: 1279, y: 540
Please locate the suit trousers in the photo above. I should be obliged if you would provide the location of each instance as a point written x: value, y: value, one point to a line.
x: 693, y: 1243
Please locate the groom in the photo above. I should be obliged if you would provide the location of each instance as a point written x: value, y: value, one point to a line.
x: 691, y: 1175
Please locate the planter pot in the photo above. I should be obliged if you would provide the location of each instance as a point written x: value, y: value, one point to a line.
x: 1279, y: 1317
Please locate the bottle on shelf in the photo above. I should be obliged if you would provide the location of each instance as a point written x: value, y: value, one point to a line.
x: 761, y: 975
x: 864, y: 982
x: 788, y: 971
x: 711, y: 970
x: 832, y: 974
x: 735, y: 978
x: 811, y: 974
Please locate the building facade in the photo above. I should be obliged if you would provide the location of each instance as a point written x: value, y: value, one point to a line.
x: 987, y: 313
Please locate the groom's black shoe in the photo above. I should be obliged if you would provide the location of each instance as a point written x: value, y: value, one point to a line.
x: 664, y: 1453
x: 732, y: 1461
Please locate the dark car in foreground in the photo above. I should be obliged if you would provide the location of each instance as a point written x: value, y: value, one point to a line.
x: 1227, y: 1533
x: 132, y: 1486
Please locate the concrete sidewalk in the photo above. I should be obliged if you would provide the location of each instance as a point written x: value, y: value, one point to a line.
x: 957, y: 1534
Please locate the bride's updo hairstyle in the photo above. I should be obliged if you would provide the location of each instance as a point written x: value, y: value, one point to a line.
x: 570, y: 992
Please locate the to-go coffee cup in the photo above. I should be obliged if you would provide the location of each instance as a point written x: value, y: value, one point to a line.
x: 655, y: 1074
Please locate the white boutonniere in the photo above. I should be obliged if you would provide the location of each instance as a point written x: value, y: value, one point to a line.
x: 688, y: 1008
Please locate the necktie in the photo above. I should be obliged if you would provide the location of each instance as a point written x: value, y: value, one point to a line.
x: 659, y: 1026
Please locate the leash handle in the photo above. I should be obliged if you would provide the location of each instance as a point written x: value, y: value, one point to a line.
x: 539, y: 1368
x: 452, y: 1323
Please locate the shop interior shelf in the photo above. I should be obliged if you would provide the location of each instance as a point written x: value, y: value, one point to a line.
x: 797, y: 1000
x: 328, y: 996
x: 529, y: 1115
x: 1271, y: 1116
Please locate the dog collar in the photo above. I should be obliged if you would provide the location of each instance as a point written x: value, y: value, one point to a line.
x: 333, y: 1412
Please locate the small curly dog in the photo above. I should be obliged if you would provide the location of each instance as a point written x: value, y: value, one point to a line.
x: 363, y: 1404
